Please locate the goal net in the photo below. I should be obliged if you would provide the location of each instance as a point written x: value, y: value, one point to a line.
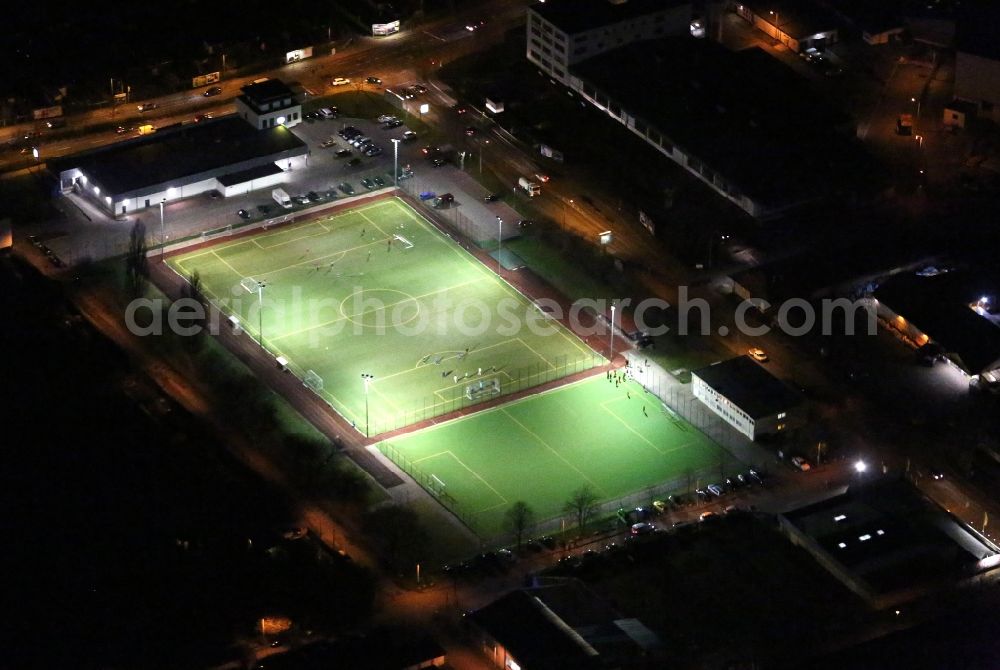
x: 313, y: 381
x: 482, y: 389
x: 250, y: 285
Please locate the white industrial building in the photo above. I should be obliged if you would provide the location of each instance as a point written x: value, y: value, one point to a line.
x: 748, y: 397
x: 564, y: 32
x: 225, y: 155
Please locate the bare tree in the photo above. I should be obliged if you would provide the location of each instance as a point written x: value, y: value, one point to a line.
x: 519, y: 517
x: 136, y: 267
x: 582, y: 504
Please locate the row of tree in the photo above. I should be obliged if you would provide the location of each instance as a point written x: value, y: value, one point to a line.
x: 581, y: 505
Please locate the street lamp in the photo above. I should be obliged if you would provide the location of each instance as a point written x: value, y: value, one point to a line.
x: 367, y: 379
x: 260, y: 313
x: 860, y: 466
x: 163, y: 238
x: 777, y: 31
x: 611, y: 336
x: 395, y: 161
x: 916, y: 101
x: 499, y: 244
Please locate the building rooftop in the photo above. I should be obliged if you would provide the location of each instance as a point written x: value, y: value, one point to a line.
x: 976, y: 29
x: 266, y: 91
x: 744, y: 114
x: 243, y: 176
x: 942, y: 307
x: 577, y: 16
x: 749, y: 386
x: 891, y: 537
x: 872, y: 18
x: 798, y: 19
x: 180, y: 153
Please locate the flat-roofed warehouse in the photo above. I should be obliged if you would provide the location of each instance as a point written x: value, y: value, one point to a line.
x: 181, y: 162
x: 748, y: 397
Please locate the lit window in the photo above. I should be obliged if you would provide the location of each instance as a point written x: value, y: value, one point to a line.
x: 782, y: 415
x: 842, y: 545
x: 865, y: 537
x: 840, y: 517
x: 880, y: 532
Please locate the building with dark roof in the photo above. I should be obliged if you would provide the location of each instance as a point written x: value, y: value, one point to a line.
x: 748, y: 397
x: 268, y: 103
x: 765, y: 153
x: 562, y: 627
x: 977, y: 58
x: 798, y: 24
x: 889, y: 543
x: 955, y: 310
x: 380, y: 649
x: 181, y: 162
x: 564, y: 32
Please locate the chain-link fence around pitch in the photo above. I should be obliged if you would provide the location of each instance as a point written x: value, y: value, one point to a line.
x: 431, y: 484
x: 466, y: 393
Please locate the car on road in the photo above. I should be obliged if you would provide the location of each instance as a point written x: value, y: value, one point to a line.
x: 419, y: 88
x: 373, y: 80
x: 471, y: 131
x: 202, y: 117
x: 243, y: 214
x: 409, y: 136
x: 461, y: 109
x: 215, y: 90
x: 525, y: 223
x: 438, y: 161
x: 758, y: 355
x: 147, y: 106
x: 343, y: 153
x: 264, y: 209
x: 642, y: 528
x: 936, y: 475
x: 707, y: 516
x: 368, y: 183
x: 492, y: 197
x: 346, y: 188
x: 121, y: 130
x: 340, y: 81
x: 544, y: 178
x: 801, y: 463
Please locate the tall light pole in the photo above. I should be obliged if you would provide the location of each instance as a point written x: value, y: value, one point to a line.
x: 395, y: 161
x: 777, y: 31
x: 260, y: 312
x: 499, y: 244
x: 917, y: 102
x: 163, y: 238
x: 368, y: 379
x: 611, y: 336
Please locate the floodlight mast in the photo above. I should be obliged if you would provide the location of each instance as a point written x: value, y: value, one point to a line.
x: 367, y: 379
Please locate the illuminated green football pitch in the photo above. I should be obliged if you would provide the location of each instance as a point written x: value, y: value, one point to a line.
x: 378, y: 290
x: 617, y: 440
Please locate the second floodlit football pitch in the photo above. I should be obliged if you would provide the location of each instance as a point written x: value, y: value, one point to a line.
x: 614, y: 438
x: 377, y: 290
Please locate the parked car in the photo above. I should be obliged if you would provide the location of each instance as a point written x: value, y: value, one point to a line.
x: 642, y: 528
x: 395, y: 123
x: 801, y: 463
x: 243, y: 214
x: 758, y: 355
x: 343, y: 153
x: 385, y: 118
x: 313, y: 196
x: 492, y: 197
x: 379, y: 181
x: 707, y: 516
x: 340, y: 81
x: 215, y: 90
x: 471, y: 130
x: 354, y: 162
x: 375, y: 81
x: 346, y: 188
x: 409, y: 136
x: 327, y: 112
x: 368, y: 183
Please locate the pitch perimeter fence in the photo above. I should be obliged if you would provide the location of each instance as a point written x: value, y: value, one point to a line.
x: 431, y: 484
x: 510, y: 381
